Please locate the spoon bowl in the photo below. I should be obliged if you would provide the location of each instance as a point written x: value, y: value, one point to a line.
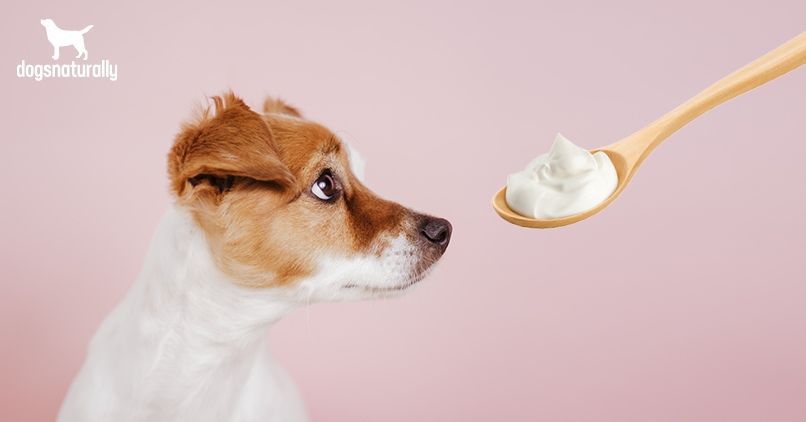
x: 623, y: 170
x: 628, y: 153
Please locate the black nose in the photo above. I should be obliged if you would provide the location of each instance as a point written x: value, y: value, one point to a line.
x: 436, y: 230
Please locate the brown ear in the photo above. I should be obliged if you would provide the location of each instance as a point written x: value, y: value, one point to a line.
x: 227, y: 142
x: 278, y: 106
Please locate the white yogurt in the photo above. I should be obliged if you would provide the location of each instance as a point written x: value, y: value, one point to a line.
x: 568, y: 180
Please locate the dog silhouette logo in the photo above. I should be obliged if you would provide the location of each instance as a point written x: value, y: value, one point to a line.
x: 62, y: 38
x: 58, y: 38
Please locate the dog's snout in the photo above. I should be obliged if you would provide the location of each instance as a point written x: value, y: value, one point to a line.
x: 436, y: 231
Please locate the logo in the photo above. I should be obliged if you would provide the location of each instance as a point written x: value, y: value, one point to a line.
x: 59, y: 38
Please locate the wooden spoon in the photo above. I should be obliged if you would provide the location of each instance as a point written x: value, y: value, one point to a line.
x: 628, y: 153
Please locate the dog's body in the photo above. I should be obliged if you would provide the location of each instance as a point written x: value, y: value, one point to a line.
x: 185, y: 344
x: 61, y: 38
x: 188, y: 341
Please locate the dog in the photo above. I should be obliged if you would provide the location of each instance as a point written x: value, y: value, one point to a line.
x: 61, y: 37
x: 268, y: 216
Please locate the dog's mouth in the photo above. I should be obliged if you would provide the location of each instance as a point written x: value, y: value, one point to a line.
x: 416, y: 277
x: 381, y: 289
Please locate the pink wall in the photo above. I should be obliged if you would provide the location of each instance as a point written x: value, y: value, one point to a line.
x: 682, y: 302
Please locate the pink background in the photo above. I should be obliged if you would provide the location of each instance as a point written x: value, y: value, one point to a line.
x: 684, y: 301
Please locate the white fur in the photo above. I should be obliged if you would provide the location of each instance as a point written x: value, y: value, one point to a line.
x: 385, y: 274
x: 188, y: 344
x: 357, y: 162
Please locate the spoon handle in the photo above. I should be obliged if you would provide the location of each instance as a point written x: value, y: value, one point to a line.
x: 783, y: 59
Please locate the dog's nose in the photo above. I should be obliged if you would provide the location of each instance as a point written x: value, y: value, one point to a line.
x: 436, y: 231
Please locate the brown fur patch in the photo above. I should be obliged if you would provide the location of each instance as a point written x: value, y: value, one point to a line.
x: 301, y: 142
x: 232, y: 140
x: 276, y: 105
x: 370, y: 215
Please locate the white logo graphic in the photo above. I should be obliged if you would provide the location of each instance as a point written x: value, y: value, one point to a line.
x: 58, y: 38
x: 61, y: 38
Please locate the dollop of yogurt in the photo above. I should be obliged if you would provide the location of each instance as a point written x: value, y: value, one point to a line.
x: 567, y: 180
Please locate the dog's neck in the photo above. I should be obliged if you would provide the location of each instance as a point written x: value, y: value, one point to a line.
x: 180, y: 271
x: 185, y: 333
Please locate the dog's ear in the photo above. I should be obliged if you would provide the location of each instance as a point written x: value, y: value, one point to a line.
x: 278, y: 106
x: 226, y: 142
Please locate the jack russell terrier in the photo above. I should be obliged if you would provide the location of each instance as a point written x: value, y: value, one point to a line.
x: 268, y: 216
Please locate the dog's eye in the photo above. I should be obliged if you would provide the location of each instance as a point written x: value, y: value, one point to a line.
x: 325, y: 187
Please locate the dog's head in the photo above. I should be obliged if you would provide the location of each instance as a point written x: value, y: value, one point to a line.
x: 281, y: 207
x: 47, y: 23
